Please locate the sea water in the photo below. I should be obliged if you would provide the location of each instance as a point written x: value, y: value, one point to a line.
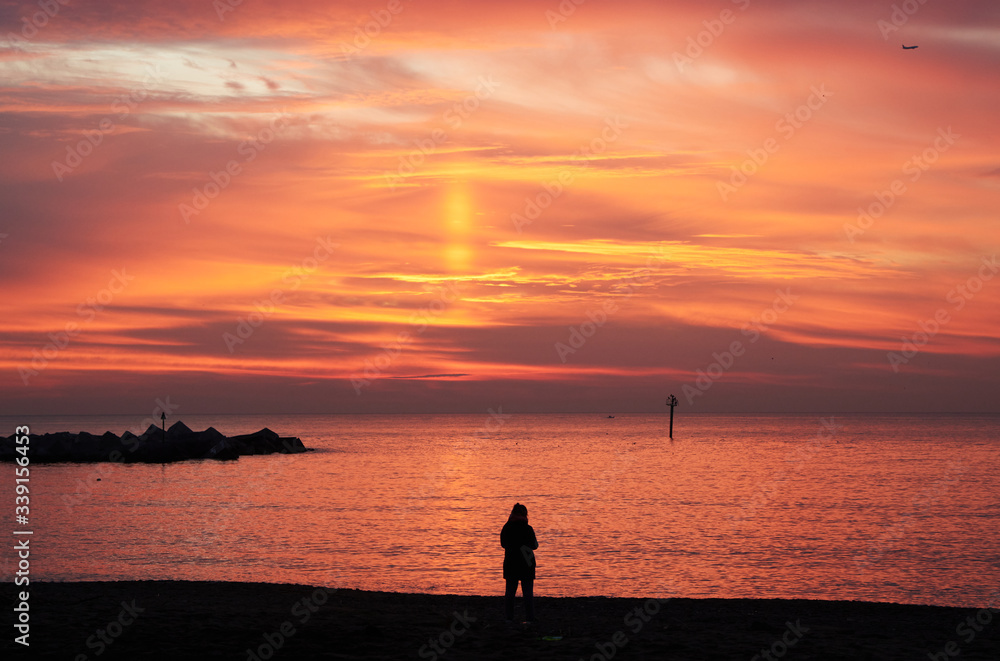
x: 898, y: 508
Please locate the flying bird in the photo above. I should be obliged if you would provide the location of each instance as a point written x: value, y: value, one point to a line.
x: 905, y: 47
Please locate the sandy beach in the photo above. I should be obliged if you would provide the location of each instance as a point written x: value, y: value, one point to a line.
x: 181, y: 619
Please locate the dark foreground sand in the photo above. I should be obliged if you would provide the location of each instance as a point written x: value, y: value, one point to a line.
x: 202, y: 620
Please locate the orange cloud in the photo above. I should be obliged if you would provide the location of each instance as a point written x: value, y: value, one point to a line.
x: 490, y: 178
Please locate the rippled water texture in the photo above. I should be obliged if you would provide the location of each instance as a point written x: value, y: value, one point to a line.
x: 883, y: 508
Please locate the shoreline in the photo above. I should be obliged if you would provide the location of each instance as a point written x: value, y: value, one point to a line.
x: 247, y: 621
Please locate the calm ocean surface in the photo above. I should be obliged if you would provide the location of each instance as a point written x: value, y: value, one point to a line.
x: 878, y: 507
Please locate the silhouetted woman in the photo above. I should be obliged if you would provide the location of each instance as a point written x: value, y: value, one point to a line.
x: 518, y: 540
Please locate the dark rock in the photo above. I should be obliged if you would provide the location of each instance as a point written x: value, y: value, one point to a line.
x: 210, y: 434
x: 264, y: 441
x: 179, y: 430
x: 223, y: 450
x: 179, y: 443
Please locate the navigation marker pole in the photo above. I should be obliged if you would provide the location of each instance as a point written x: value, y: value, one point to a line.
x: 671, y: 402
x: 163, y: 422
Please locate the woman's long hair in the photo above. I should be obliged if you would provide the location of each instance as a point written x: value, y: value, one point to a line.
x: 518, y: 513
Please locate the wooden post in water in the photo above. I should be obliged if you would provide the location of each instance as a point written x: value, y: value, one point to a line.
x: 163, y: 422
x: 671, y: 402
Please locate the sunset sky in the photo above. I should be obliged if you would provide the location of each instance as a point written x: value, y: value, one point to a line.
x: 420, y: 205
